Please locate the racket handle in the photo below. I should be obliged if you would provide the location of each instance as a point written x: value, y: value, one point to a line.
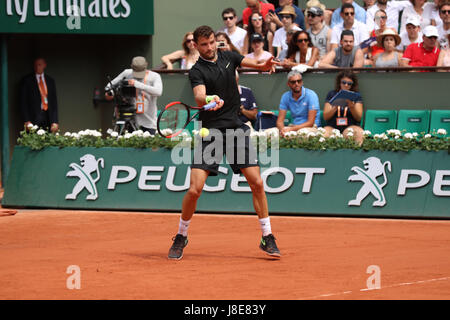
x: 210, y: 105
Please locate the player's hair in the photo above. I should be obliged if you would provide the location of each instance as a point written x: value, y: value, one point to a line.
x: 203, y: 31
x: 294, y: 73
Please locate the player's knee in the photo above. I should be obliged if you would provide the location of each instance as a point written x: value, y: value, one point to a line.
x: 257, y: 185
x: 195, y: 192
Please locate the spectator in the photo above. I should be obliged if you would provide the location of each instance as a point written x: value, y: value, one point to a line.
x: 301, y: 51
x: 258, y: 53
x: 224, y: 43
x: 319, y: 32
x: 424, y: 54
x: 235, y: 33
x: 368, y: 4
x: 415, y: 10
x: 359, y: 29
x: 248, y: 110
x: 371, y: 46
x: 388, y: 40
x: 343, y: 114
x: 412, y: 34
x: 149, y: 88
x: 432, y: 12
x: 258, y: 25
x: 275, y: 18
x: 346, y: 55
x: 303, y: 104
x: 444, y: 13
x: 359, y: 13
x: 326, y: 13
x: 38, y: 102
x: 283, y: 54
x: 189, y: 55
x: 444, y: 56
x: 279, y: 39
x: 392, y: 9
x: 255, y: 6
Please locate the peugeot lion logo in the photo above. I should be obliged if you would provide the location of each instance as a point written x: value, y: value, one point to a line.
x: 373, y: 169
x: 84, y: 172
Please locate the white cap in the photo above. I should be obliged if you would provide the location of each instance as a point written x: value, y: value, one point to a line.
x: 430, y: 31
x: 413, y: 20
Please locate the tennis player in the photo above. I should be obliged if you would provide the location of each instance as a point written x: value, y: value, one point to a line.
x: 213, y: 78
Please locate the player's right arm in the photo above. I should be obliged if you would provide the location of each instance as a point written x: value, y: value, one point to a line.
x: 200, y: 97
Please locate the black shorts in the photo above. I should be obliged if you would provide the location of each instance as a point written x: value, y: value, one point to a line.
x: 235, y: 144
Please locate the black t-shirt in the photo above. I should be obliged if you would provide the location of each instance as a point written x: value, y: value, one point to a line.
x: 342, y: 103
x: 219, y: 78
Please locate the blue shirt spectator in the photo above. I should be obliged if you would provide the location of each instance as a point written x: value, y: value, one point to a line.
x: 299, y: 108
x: 360, y: 14
x: 248, y: 102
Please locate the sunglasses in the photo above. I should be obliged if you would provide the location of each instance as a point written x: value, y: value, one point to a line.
x: 295, y: 81
x: 228, y: 18
x: 285, y: 16
x: 349, y: 14
x: 346, y: 83
x: 302, y: 40
x: 431, y: 38
x: 445, y: 11
x: 381, y: 17
x: 257, y: 19
x: 189, y: 40
x: 311, y: 15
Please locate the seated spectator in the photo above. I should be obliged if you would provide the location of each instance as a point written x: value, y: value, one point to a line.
x: 326, y: 13
x: 319, y: 32
x: 224, y: 43
x: 444, y: 13
x: 189, y: 55
x: 275, y: 18
x: 344, y: 115
x: 301, y: 51
x: 235, y: 33
x: 303, y: 104
x: 258, y: 53
x: 248, y: 109
x: 432, y: 12
x: 416, y: 9
x: 359, y: 29
x: 279, y: 39
x: 368, y: 4
x: 255, y: 6
x: 258, y: 25
x: 389, y: 40
x: 412, y: 34
x: 359, y: 13
x: 283, y: 54
x: 346, y: 55
x: 444, y: 56
x: 392, y: 9
x: 424, y: 54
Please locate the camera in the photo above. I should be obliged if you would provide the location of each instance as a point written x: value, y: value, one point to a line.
x: 125, y: 98
x: 221, y: 44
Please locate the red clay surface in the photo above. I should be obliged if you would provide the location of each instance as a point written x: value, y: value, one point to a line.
x: 124, y: 256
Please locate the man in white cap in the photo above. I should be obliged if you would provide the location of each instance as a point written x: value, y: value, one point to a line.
x: 413, y: 34
x: 149, y: 87
x: 424, y: 54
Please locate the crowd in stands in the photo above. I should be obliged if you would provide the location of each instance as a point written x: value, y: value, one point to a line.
x: 347, y: 36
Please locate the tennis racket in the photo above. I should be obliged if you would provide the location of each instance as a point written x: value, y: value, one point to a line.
x: 176, y: 116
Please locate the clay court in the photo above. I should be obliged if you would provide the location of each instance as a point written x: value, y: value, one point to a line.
x: 123, y: 255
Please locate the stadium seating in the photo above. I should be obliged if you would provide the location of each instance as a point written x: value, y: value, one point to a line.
x: 440, y: 119
x: 378, y: 121
x: 414, y: 120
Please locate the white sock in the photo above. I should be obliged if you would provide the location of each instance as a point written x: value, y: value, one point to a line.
x: 265, y: 226
x: 183, y: 227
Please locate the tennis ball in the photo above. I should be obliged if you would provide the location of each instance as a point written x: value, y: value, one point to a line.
x: 204, y: 132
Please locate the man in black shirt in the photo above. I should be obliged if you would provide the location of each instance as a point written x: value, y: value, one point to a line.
x: 213, y: 78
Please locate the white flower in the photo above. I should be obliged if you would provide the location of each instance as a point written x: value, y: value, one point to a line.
x: 40, y: 132
x: 166, y: 132
x: 146, y: 134
x: 311, y: 134
x: 75, y: 135
x: 415, y: 134
x: 350, y: 133
x: 367, y: 133
x: 322, y: 139
x: 303, y: 131
x: 67, y: 134
x: 442, y: 131
x: 427, y: 136
x: 109, y: 131
x: 384, y: 136
x: 336, y: 132
x: 114, y: 134
x: 397, y: 137
x: 394, y: 132
x: 138, y: 133
x: 350, y: 130
x: 408, y: 136
x: 30, y: 125
x: 35, y: 127
x: 127, y: 135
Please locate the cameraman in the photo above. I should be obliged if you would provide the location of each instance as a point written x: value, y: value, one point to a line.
x: 148, y: 86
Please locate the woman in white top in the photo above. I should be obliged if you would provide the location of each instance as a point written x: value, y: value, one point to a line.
x: 301, y: 51
x: 189, y: 55
x: 417, y: 9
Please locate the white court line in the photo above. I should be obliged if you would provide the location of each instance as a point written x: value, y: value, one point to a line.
x: 327, y: 295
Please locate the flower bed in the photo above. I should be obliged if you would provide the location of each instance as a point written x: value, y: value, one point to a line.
x: 391, y: 140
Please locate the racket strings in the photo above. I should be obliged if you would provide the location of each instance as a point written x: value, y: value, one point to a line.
x: 174, y: 118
